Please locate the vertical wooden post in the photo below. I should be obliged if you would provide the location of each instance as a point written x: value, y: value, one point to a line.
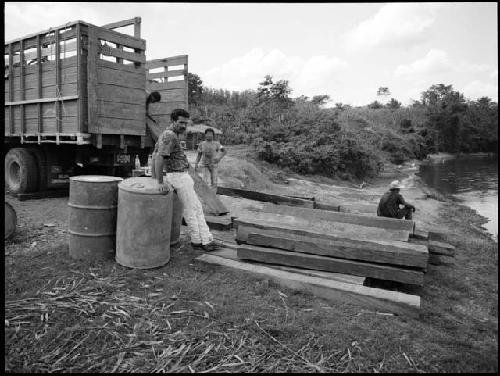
x: 39, y: 84
x: 11, y: 88
x: 58, y: 81
x: 186, y: 80
x: 92, y: 58
x: 137, y: 27
x: 79, y: 83
x: 21, y: 87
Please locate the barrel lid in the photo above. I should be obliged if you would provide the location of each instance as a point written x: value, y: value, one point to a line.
x: 141, y: 184
x: 96, y: 178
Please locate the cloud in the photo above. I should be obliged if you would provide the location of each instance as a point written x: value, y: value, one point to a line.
x: 393, y: 25
x: 436, y: 61
x: 477, y: 89
x: 306, y: 76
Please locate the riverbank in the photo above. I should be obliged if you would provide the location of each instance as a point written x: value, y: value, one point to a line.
x: 89, y: 316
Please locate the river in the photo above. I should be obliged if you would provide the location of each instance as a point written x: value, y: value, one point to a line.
x: 473, y: 179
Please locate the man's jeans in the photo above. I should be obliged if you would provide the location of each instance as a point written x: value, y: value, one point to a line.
x: 193, y: 210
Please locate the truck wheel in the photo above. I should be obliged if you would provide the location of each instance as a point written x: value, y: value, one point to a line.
x: 41, y: 161
x: 21, y: 171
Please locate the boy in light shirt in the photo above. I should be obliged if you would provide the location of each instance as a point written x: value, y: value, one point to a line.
x: 208, y: 154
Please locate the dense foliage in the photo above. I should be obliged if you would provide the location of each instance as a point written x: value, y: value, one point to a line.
x: 304, y: 136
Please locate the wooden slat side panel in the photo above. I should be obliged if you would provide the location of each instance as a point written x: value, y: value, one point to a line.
x: 127, y: 79
x: 122, y: 39
x: 121, y: 126
x: 116, y: 52
x: 169, y: 61
x: 121, y: 94
x: 121, y: 111
x: 177, y: 84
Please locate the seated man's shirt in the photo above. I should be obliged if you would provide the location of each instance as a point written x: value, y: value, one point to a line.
x: 208, y: 152
x: 389, y: 204
x: 168, y: 145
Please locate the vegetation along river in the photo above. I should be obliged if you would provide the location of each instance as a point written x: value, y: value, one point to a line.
x: 473, y: 179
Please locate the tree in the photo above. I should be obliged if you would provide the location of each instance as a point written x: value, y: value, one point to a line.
x: 393, y: 104
x: 375, y: 105
x: 383, y: 91
x: 320, y: 100
x: 195, y: 88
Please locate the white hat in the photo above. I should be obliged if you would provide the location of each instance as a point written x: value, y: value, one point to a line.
x: 396, y: 184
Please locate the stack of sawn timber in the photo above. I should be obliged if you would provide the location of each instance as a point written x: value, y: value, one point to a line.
x: 335, y: 242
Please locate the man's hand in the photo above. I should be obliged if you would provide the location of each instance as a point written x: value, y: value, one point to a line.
x: 164, y: 187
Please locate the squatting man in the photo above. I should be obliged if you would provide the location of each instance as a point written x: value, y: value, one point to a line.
x: 168, y: 154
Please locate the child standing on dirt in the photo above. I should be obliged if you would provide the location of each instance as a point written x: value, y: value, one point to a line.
x: 207, y: 153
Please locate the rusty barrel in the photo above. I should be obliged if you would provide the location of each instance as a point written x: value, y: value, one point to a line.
x: 93, y: 201
x: 144, y: 223
x: 177, y: 210
x: 10, y: 220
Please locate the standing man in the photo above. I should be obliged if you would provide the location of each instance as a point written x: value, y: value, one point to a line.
x: 168, y: 153
x: 390, y: 201
x: 207, y: 153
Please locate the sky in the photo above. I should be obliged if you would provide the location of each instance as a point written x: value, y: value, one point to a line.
x: 344, y: 50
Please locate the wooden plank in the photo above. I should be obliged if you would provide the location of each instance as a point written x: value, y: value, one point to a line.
x: 58, y: 80
x: 335, y: 291
x: 438, y: 236
x: 169, y: 61
x: 209, y: 200
x: 417, y: 256
x: 370, y: 209
x: 266, y: 197
x: 106, y: 75
x: 441, y: 248
x: 128, y: 22
x: 229, y: 252
x: 419, y: 234
x: 172, y: 73
x: 221, y: 222
x: 364, y: 220
x: 330, y: 264
x: 42, y: 100
x: 325, y: 206
x: 46, y: 39
x: 119, y: 38
x: 21, y: 86
x: 437, y: 259
x: 122, y: 94
x: 246, y: 226
x: 340, y: 230
x: 118, y: 110
x: 121, y: 67
x: 109, y: 125
x: 159, y: 86
x: 117, y: 52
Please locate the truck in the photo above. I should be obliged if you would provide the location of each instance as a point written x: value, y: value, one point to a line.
x: 75, y: 103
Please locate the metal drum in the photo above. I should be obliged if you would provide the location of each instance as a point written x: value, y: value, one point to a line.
x: 92, y: 216
x: 143, y: 224
x: 175, y: 232
x: 10, y: 220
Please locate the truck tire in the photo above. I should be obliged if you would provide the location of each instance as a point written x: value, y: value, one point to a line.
x: 21, y: 171
x: 41, y: 161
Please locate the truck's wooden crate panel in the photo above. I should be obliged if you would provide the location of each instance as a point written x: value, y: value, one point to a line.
x: 169, y: 77
x: 74, y: 80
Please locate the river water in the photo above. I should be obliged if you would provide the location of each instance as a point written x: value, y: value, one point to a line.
x: 472, y: 179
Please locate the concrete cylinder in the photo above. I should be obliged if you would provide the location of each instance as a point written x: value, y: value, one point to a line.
x: 144, y: 223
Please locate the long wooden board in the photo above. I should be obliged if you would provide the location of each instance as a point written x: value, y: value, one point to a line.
x: 266, y: 197
x: 441, y: 248
x: 209, y: 200
x: 330, y: 264
x: 335, y: 291
x: 358, y: 219
x: 417, y: 256
x: 337, y: 229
